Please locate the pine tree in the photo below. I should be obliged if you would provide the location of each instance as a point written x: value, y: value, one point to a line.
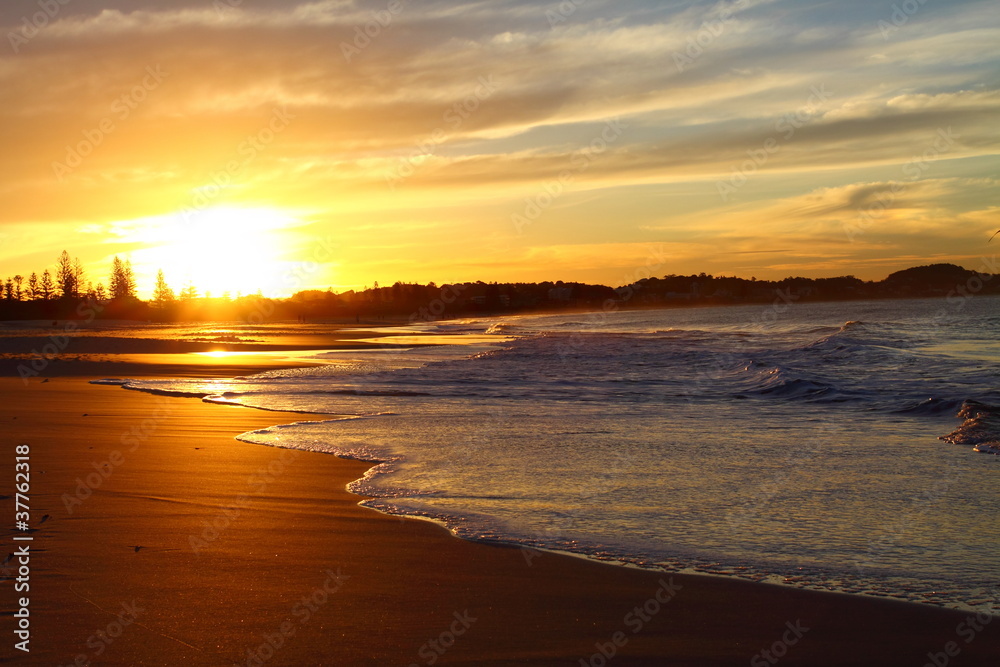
x: 66, y: 276
x: 33, y: 289
x: 78, y: 279
x: 48, y: 288
x: 100, y: 294
x: 8, y: 291
x: 18, y: 281
x: 116, y: 281
x: 131, y: 291
x: 189, y: 292
x: 122, y: 280
x: 162, y: 294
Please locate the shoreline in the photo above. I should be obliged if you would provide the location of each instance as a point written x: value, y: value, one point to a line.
x: 447, y: 523
x: 764, y: 579
x: 545, y: 607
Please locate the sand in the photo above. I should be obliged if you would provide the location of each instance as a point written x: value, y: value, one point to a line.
x: 198, y: 549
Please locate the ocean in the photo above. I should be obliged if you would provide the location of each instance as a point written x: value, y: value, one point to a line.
x: 792, y: 444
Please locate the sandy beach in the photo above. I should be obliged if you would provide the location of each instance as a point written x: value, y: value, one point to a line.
x: 166, y: 541
x: 568, y: 333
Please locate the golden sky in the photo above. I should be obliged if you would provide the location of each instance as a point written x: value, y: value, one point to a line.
x: 282, y: 146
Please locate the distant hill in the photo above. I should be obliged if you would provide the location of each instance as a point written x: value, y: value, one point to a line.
x: 930, y: 277
x: 427, y: 303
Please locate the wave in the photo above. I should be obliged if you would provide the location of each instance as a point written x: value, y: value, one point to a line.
x: 798, y: 388
x: 981, y: 427
x: 760, y: 379
x: 460, y: 327
x: 233, y: 395
x: 158, y: 391
x: 693, y: 334
x: 221, y: 400
x: 931, y: 406
x: 584, y: 435
x: 501, y: 328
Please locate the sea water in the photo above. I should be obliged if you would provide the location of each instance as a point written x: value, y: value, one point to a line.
x: 797, y: 444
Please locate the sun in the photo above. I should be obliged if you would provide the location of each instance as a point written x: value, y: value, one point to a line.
x: 223, y: 250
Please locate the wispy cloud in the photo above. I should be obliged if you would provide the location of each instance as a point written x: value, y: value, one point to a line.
x: 701, y: 86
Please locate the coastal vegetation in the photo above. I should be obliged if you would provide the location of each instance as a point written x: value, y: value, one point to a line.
x: 58, y: 292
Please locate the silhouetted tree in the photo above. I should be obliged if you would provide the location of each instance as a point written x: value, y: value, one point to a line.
x: 33, y: 289
x: 189, y: 293
x: 66, y: 276
x: 162, y: 294
x: 130, y: 286
x: 8, y: 291
x: 47, y: 288
x: 78, y: 280
x: 18, y: 280
x: 122, y: 279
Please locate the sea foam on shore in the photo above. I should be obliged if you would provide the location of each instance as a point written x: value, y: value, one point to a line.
x: 801, y: 448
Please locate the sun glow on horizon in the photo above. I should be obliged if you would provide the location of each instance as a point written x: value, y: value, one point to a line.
x: 221, y: 250
x: 491, y: 144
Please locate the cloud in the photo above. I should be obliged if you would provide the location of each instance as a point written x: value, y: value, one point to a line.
x: 698, y: 88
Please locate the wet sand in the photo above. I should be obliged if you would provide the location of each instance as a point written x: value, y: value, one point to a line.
x: 168, y: 542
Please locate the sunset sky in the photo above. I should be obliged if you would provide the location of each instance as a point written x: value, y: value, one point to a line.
x: 234, y: 144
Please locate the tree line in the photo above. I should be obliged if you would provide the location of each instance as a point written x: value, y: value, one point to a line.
x: 69, y: 282
x: 55, y: 294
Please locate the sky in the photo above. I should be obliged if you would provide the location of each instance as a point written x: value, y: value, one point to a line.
x: 276, y: 146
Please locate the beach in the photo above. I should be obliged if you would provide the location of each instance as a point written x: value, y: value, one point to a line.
x: 166, y: 541
x: 570, y: 333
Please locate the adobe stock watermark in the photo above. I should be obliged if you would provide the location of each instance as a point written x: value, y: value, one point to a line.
x: 779, y: 649
x: 433, y: 650
x: 901, y: 15
x: 259, y: 482
x: 626, y: 463
x: 914, y: 170
x: 636, y: 621
x: 433, y: 311
x: 224, y: 6
x: 121, y: 109
x: 365, y: 34
x: 101, y: 641
x: 562, y: 13
x: 740, y: 514
x: 32, y: 25
x: 295, y: 279
x: 709, y: 31
x: 454, y: 117
x: 580, y: 161
x: 246, y: 152
x: 959, y: 295
x: 577, y: 340
x: 301, y: 613
x: 967, y: 631
x: 785, y: 128
x: 103, y: 470
x: 50, y: 352
x: 889, y: 537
